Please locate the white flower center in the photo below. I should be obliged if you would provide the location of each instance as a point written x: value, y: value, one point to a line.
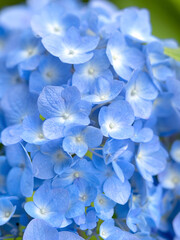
x: 59, y: 155
x: 91, y: 71
x: 175, y: 179
x: 79, y: 139
x: 30, y: 52
x: 103, y: 97
x: 71, y: 52
x: 43, y: 211
x: 76, y: 175
x: 40, y: 136
x: 66, y: 116
x: 139, y: 156
x: 101, y: 201
x: 115, y: 57
x: 133, y: 92
x: 84, y: 197
x: 7, y: 214
x: 111, y: 125
x: 55, y: 29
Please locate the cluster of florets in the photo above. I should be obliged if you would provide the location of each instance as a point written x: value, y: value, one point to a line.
x: 89, y: 109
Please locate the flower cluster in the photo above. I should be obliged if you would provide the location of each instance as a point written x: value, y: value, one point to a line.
x: 89, y: 124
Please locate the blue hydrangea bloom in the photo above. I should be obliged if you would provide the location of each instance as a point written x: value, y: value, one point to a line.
x: 68, y: 109
x: 86, y: 191
x: 72, y: 48
x: 27, y: 53
x: 107, y: 228
x: 53, y: 20
x: 123, y: 58
x: 6, y: 210
x: 102, y: 203
x: 116, y: 120
x: 48, y: 204
x: 79, y: 139
x: 135, y: 23
x: 119, y: 153
x: 151, y: 158
x: 32, y: 130
x: 50, y: 72
x: 104, y: 91
x: 140, y: 93
x: 20, y: 177
x: 85, y: 74
x: 82, y: 169
x: 51, y: 160
x: 141, y: 133
x: 16, y: 106
x: 89, y: 124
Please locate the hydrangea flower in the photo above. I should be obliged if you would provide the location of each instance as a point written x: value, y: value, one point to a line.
x: 79, y: 139
x: 68, y: 109
x: 85, y: 74
x: 116, y: 120
x: 151, y: 158
x: 123, y: 58
x: 16, y: 106
x: 28, y: 53
x: 135, y: 24
x: 6, y: 210
x: 50, y: 72
x: 48, y: 204
x: 71, y: 48
x: 20, y: 177
x: 52, y: 158
x: 89, y: 124
x: 53, y: 21
x: 140, y: 93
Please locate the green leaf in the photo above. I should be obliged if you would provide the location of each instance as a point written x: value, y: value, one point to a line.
x: 89, y: 154
x: 173, y: 53
x: 93, y: 238
x: 30, y: 199
x: 41, y: 117
x: 8, y: 237
x: 98, y: 225
x: 83, y: 234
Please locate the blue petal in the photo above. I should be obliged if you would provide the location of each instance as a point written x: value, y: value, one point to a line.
x: 50, y: 102
x: 53, y: 128
x: 43, y: 166
x: 116, y: 190
x: 69, y: 236
x: 38, y: 229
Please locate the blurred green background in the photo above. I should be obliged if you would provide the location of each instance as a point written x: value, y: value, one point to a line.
x: 165, y: 14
